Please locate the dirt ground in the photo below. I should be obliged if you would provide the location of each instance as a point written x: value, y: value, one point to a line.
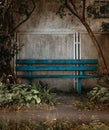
x: 64, y: 109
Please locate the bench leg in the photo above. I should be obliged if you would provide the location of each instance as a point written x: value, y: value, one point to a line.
x: 30, y: 82
x: 79, y: 86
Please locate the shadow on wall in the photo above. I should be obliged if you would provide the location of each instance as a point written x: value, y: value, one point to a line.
x: 44, y: 17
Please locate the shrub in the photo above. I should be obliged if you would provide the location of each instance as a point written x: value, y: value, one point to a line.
x: 100, y: 93
x: 24, y: 95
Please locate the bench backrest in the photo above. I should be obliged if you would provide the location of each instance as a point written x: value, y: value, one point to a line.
x: 78, y: 67
x: 30, y: 65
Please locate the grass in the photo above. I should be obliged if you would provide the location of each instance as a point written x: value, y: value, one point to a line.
x: 52, y: 125
x: 82, y: 102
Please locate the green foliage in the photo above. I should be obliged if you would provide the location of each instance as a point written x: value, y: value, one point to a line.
x: 91, y: 11
x: 61, y: 11
x: 8, y: 49
x: 19, y: 95
x: 105, y: 27
x: 10, y: 13
x: 46, y: 95
x: 100, y: 93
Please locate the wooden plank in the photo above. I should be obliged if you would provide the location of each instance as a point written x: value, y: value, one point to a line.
x: 56, y: 68
x: 57, y: 76
x: 57, y: 61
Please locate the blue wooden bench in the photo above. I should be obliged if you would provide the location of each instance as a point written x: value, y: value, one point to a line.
x: 80, y: 66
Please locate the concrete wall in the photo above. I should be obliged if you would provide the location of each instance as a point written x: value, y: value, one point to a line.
x: 46, y: 35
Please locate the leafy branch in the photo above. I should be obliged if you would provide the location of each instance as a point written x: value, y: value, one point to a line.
x: 10, y: 12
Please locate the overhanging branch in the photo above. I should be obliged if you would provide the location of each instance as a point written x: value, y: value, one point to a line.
x: 74, y: 6
x: 27, y: 17
x: 84, y: 5
x: 71, y: 7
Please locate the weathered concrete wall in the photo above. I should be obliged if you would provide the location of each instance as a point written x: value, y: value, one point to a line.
x: 46, y: 35
x: 45, y: 18
x: 46, y: 46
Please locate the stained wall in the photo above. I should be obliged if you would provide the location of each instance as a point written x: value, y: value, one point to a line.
x: 46, y: 36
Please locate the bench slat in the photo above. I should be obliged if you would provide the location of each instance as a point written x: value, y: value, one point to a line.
x: 56, y: 61
x: 57, y: 76
x: 55, y: 68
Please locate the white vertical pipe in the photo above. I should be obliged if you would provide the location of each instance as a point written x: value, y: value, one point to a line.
x: 80, y: 47
x: 74, y: 46
x: 77, y: 52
